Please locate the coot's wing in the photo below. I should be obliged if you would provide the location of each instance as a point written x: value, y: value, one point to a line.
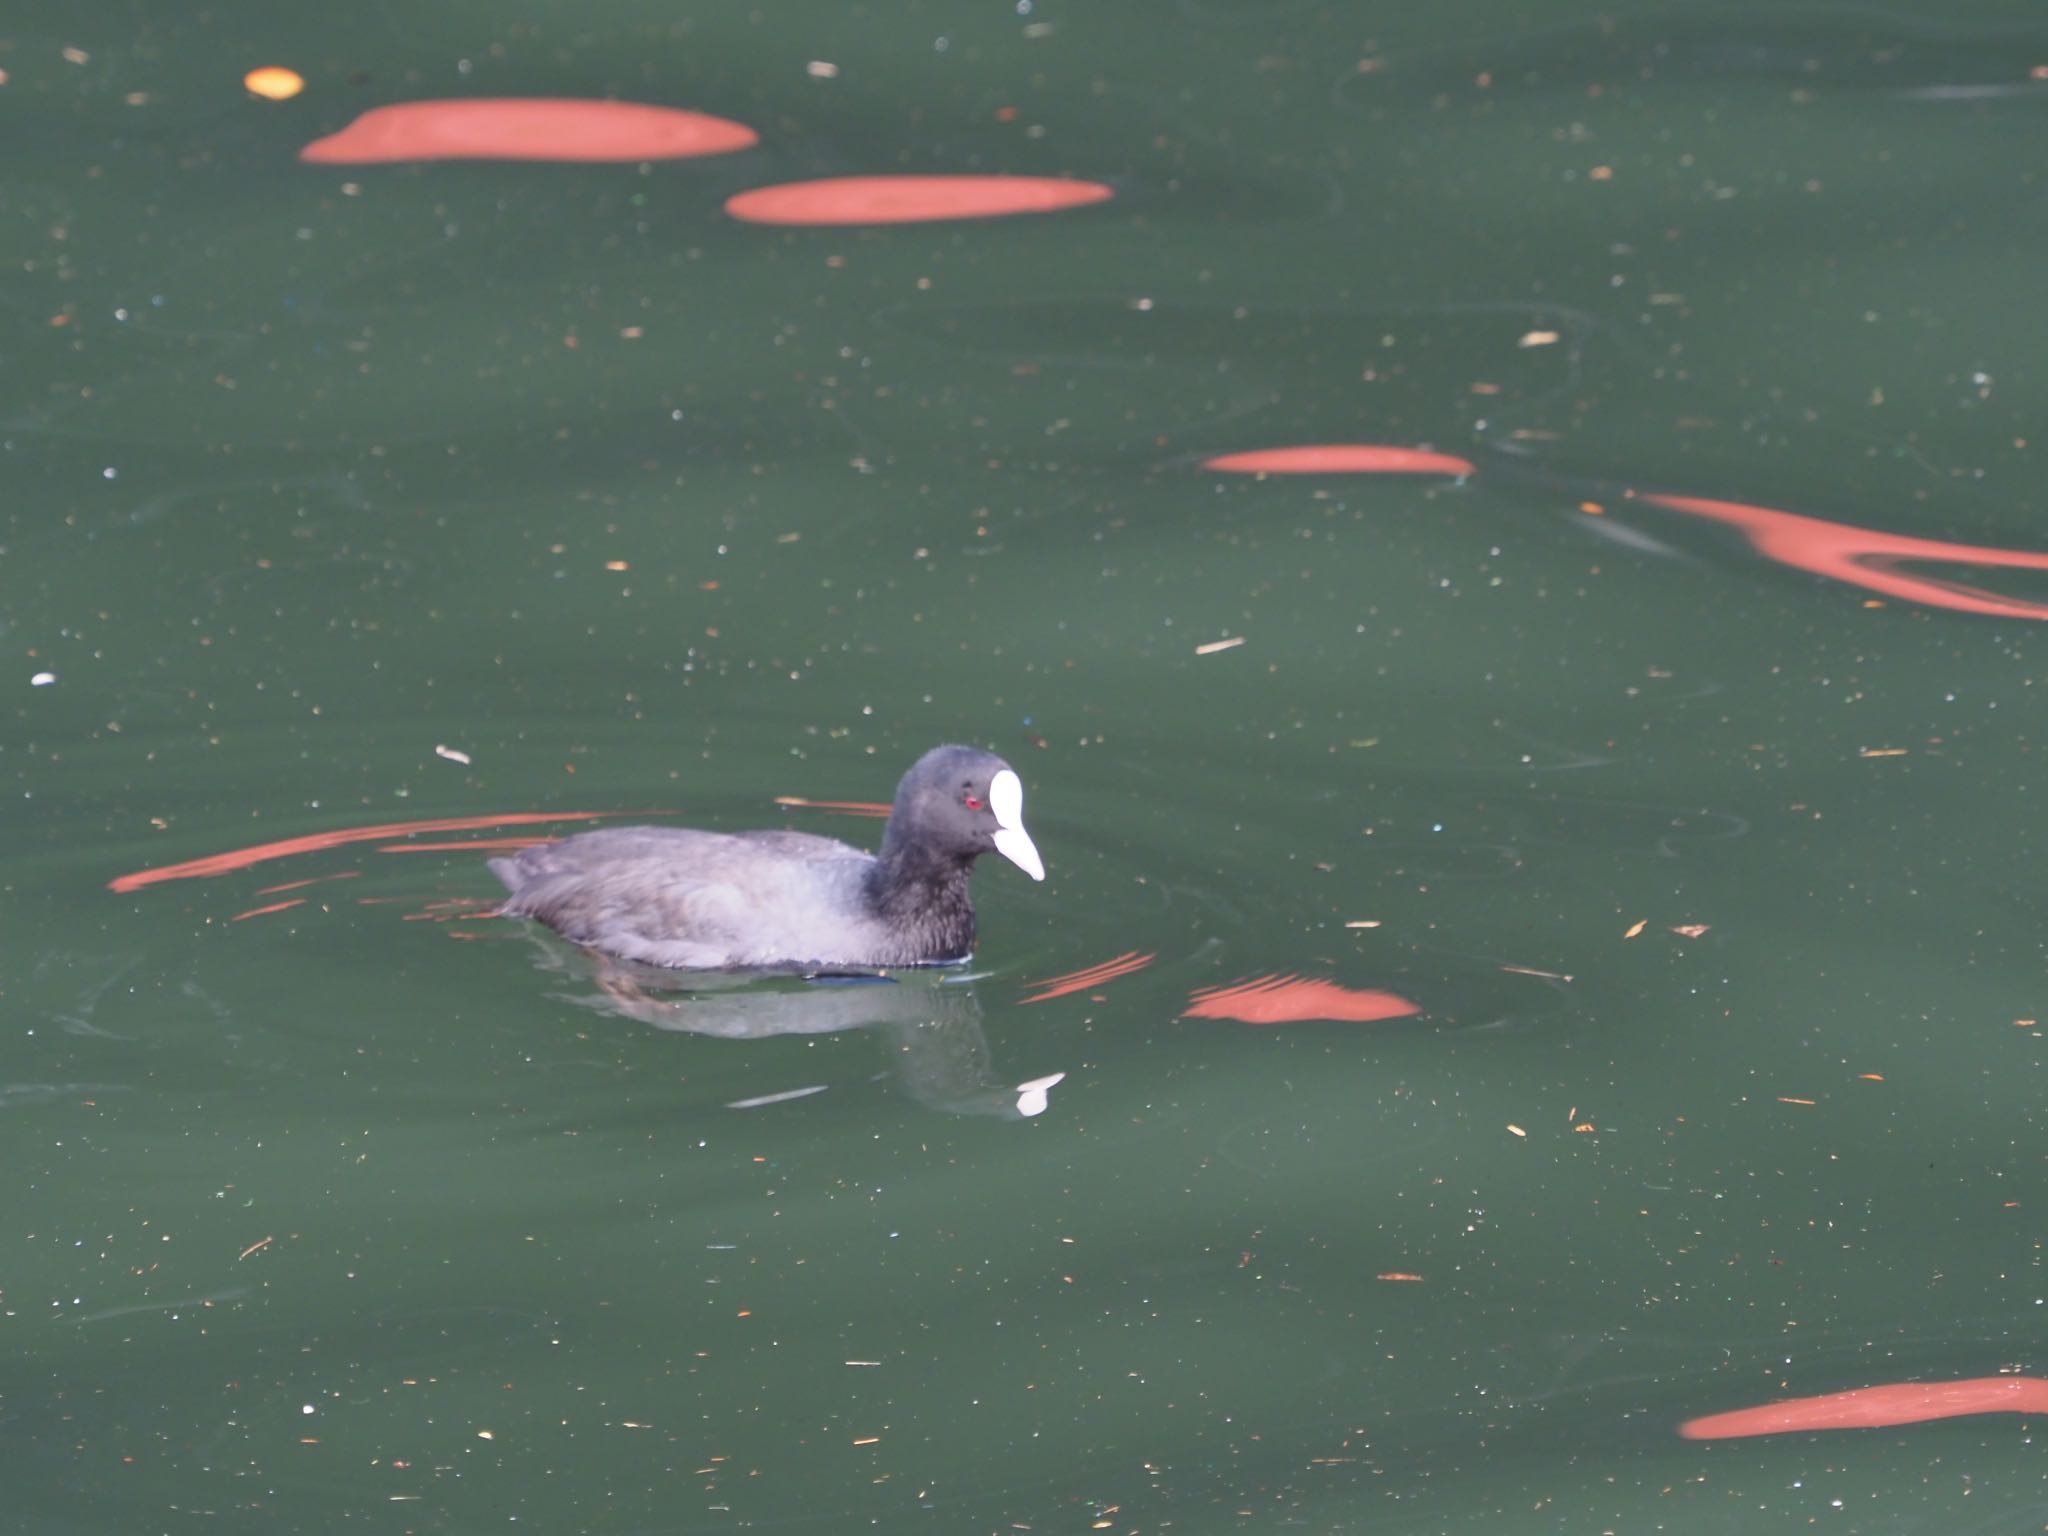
x: 672, y: 896
x: 662, y: 895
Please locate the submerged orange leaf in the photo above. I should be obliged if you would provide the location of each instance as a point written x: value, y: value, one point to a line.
x: 275, y: 906
x: 847, y: 807
x: 242, y: 858
x: 1872, y: 559
x: 1095, y: 975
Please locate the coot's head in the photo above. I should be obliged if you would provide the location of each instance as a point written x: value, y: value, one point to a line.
x: 958, y: 802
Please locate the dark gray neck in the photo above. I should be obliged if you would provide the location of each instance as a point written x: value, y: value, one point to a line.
x: 925, y: 899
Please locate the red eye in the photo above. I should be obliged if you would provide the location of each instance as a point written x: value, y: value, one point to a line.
x: 971, y: 803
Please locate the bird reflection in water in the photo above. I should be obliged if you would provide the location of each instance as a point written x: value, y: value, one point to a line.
x: 929, y: 1021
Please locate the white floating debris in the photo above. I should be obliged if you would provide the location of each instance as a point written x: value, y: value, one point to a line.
x: 778, y: 1098
x: 1031, y: 1095
x: 42, y: 680
x: 822, y: 69
x: 1218, y: 645
x: 451, y: 754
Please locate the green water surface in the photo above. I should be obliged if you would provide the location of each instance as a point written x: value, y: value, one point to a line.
x: 339, y: 497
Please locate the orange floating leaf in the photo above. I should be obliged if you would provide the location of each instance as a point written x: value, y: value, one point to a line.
x: 1905, y: 1402
x: 1293, y: 999
x: 1340, y: 459
x: 528, y: 128
x: 911, y: 199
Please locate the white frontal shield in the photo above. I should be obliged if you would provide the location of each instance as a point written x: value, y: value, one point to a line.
x: 1006, y: 800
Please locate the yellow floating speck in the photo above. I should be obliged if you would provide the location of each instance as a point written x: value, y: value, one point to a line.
x: 273, y: 83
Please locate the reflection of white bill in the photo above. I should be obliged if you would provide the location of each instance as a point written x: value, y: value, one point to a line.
x: 1031, y: 1095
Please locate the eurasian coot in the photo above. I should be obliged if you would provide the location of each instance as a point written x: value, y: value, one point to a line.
x: 725, y: 901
